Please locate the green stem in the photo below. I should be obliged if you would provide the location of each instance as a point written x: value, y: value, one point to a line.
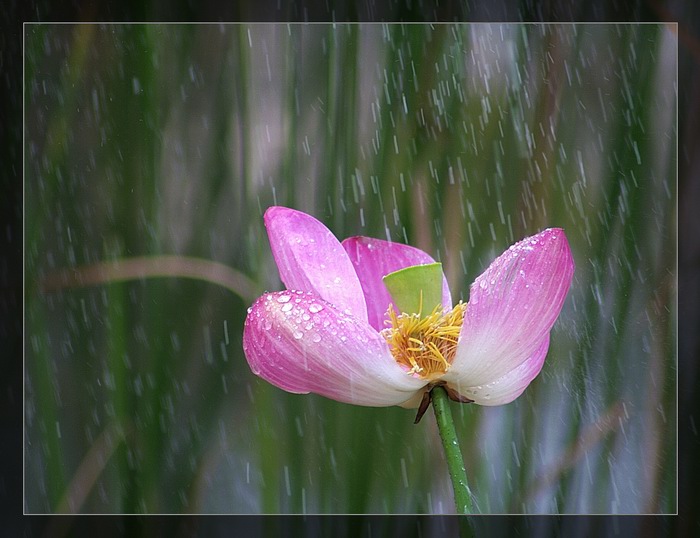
x: 453, y: 455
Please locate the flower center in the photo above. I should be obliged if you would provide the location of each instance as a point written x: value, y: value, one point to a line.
x: 425, y: 345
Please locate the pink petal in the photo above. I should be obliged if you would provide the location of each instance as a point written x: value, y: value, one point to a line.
x: 301, y: 343
x: 512, y: 307
x: 373, y: 259
x: 508, y: 387
x: 310, y: 258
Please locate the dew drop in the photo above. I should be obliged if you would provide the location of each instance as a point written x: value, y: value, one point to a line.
x: 283, y: 299
x: 315, y: 337
x: 287, y: 307
x: 267, y: 325
x: 313, y: 308
x: 298, y: 335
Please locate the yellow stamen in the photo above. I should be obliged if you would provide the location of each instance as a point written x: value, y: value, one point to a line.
x: 425, y: 345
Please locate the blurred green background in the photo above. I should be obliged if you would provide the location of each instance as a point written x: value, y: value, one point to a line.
x: 171, y: 140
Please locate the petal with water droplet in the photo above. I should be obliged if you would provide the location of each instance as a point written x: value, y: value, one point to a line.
x: 508, y: 319
x: 341, y: 357
x: 509, y: 386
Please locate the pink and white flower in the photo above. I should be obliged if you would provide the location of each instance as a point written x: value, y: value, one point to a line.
x: 330, y: 332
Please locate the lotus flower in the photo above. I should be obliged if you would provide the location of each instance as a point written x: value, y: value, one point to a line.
x: 336, y: 331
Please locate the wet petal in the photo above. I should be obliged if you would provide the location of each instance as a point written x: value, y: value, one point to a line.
x: 301, y: 343
x: 512, y: 307
x: 508, y: 387
x: 373, y: 259
x: 310, y: 258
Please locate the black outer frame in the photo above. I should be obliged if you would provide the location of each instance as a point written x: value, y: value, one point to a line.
x: 687, y: 17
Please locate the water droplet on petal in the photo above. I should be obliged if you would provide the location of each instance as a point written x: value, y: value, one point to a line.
x: 315, y: 337
x: 283, y: 299
x: 287, y: 307
x: 297, y: 335
x: 313, y: 308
